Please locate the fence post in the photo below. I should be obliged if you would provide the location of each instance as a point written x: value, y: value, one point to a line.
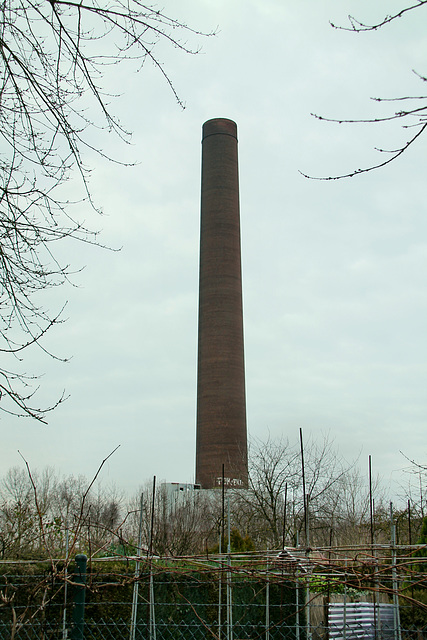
x: 64, y: 613
x: 297, y: 592
x: 79, y: 597
x: 267, y: 600
x: 396, y: 613
x: 136, y: 575
x: 229, y: 581
x: 220, y: 566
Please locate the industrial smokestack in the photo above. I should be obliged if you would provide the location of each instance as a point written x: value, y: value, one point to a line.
x: 221, y: 403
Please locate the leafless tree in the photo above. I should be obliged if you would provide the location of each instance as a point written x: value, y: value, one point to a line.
x: 413, y: 493
x: 21, y: 516
x: 275, y: 469
x: 273, y: 464
x: 183, y: 521
x: 17, y: 514
x: 412, y: 110
x: 53, y: 59
x: 41, y: 514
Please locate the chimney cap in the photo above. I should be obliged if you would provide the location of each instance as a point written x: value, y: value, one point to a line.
x: 222, y: 126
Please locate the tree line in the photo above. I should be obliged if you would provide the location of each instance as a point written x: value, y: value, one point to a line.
x: 45, y: 515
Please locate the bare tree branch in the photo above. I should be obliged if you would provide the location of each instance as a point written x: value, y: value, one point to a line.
x: 357, y: 26
x: 53, y: 60
x: 395, y: 155
x: 419, y: 113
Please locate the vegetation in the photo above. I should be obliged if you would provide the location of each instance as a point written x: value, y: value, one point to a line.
x: 46, y: 519
x: 43, y: 514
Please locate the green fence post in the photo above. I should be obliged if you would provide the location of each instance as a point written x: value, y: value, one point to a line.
x: 79, y: 597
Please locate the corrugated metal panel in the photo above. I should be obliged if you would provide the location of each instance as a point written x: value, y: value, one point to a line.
x: 361, y: 618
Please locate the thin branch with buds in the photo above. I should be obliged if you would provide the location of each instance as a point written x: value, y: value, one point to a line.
x: 419, y: 113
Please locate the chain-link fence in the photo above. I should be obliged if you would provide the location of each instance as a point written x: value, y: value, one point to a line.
x: 194, y: 600
x: 167, y: 630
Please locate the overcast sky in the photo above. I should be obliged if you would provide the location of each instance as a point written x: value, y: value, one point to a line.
x: 334, y: 273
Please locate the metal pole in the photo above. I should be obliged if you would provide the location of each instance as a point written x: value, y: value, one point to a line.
x: 152, y: 617
x: 297, y: 634
x: 371, y: 509
x: 219, y: 587
x: 79, y: 597
x: 228, y: 526
x: 284, y: 516
x: 396, y: 613
x: 294, y: 520
x: 307, y: 552
x: 150, y: 546
x: 152, y: 610
x: 136, y: 575
x: 64, y: 613
x: 267, y: 603
x: 345, y: 603
x: 377, y: 618
x: 303, y: 483
x: 222, y: 537
x: 373, y: 553
x: 229, y: 592
x: 221, y: 542
x: 410, y: 543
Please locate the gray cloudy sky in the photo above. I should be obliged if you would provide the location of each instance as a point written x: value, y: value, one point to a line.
x: 334, y: 273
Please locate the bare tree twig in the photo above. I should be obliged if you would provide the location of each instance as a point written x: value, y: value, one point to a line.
x: 53, y: 60
x: 420, y: 113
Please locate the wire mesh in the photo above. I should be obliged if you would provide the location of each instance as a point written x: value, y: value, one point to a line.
x: 278, y: 599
